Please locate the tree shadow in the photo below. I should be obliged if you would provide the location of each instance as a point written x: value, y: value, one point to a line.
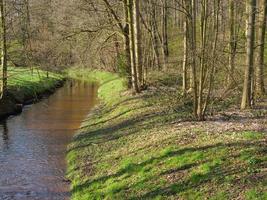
x: 113, y: 118
x: 190, y: 182
x: 116, y: 130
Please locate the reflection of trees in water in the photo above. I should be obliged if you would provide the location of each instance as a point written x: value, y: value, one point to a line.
x: 74, y: 87
x: 5, y: 137
x: 94, y: 89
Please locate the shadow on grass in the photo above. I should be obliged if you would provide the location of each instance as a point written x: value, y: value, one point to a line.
x: 113, y: 118
x: 102, y: 110
x: 122, y: 128
x: 138, y: 119
x: 113, y: 128
x: 187, y: 183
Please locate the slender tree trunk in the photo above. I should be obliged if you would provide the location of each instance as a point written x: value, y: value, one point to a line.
x: 135, y: 85
x: 260, y: 90
x: 216, y: 4
x: 193, y: 54
x: 203, y: 59
x: 165, y: 48
x: 155, y: 40
x: 4, y: 49
x: 185, y: 59
x: 175, y: 21
x: 137, y: 40
x: 247, y: 87
x: 126, y: 35
x: 117, y: 50
x: 232, y: 41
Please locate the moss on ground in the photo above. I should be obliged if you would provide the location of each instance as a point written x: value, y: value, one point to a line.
x: 138, y: 147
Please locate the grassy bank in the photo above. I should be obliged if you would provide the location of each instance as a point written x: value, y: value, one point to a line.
x: 26, y: 86
x: 31, y: 83
x: 146, y: 147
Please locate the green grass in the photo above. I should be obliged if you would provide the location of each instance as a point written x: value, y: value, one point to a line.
x: 31, y: 84
x: 133, y: 147
x: 108, y: 82
x: 254, y: 194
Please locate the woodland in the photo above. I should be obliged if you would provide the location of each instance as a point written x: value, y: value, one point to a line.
x: 182, y: 92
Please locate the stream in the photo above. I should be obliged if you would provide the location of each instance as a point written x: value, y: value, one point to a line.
x: 33, y: 144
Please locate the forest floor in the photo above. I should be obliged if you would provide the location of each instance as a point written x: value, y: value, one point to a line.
x: 147, y: 147
x: 26, y: 86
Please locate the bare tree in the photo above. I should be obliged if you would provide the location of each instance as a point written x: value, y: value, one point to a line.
x: 260, y: 90
x: 247, y: 98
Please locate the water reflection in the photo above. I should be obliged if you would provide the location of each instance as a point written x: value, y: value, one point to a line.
x: 33, y: 144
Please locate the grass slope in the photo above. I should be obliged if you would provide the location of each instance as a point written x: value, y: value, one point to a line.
x: 31, y: 83
x: 142, y: 147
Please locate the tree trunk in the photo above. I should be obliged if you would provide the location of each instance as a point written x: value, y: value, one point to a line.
x: 155, y: 40
x: 137, y: 40
x: 247, y: 87
x: 126, y: 35
x: 185, y: 59
x: 232, y: 41
x: 135, y: 85
x: 165, y: 48
x: 260, y: 58
x: 4, y: 49
x: 193, y: 54
x: 203, y: 59
x: 216, y: 9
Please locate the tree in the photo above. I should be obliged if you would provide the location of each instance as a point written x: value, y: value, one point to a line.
x: 165, y: 48
x: 4, y: 49
x: 185, y: 58
x: 154, y: 35
x: 133, y: 43
x: 204, y: 26
x: 137, y: 41
x: 247, y: 97
x: 260, y: 90
x: 232, y: 41
x: 193, y: 53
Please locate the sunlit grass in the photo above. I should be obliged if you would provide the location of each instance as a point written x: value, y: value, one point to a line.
x: 129, y: 148
x: 31, y: 81
x: 108, y: 82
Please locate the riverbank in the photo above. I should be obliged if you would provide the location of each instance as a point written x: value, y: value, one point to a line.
x: 147, y: 147
x: 26, y: 87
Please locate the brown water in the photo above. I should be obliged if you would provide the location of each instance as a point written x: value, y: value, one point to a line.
x: 33, y: 144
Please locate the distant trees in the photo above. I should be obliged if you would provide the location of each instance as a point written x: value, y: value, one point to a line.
x: 205, y: 34
x: 213, y: 43
x: 202, y: 53
x: 206, y: 41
